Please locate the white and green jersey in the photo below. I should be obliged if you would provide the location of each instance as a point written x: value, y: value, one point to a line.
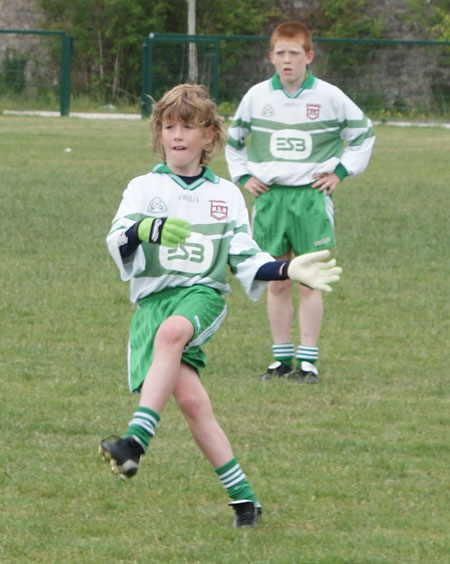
x: 317, y: 130
x: 220, y: 235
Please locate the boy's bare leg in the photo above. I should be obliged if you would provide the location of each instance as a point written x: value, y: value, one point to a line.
x: 166, y: 376
x: 280, y: 314
x: 310, y: 314
x: 195, y: 405
x: 161, y: 379
x: 280, y: 310
x: 279, y: 307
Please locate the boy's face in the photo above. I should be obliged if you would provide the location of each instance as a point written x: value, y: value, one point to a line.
x: 290, y: 60
x: 183, y: 145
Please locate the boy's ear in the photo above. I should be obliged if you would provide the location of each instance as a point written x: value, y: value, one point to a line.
x: 208, y: 135
x: 309, y: 57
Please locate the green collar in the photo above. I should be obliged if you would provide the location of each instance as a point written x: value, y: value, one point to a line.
x: 308, y: 82
x: 162, y: 168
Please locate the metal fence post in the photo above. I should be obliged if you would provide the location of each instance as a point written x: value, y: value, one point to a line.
x: 64, y: 86
x: 146, y: 90
x: 215, y: 84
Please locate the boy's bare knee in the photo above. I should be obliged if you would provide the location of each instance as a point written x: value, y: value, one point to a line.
x: 192, y: 405
x: 176, y: 330
x: 306, y: 293
x: 280, y: 288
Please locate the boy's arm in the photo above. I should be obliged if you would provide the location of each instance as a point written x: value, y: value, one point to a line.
x: 308, y: 269
x: 359, y: 136
x: 168, y: 231
x: 235, y: 150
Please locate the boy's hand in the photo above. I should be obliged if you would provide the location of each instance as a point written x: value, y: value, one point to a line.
x: 310, y: 271
x: 168, y: 231
x: 255, y: 187
x: 326, y: 181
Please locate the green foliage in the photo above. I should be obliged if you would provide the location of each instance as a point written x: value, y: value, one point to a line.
x: 226, y: 109
x: 431, y: 17
x: 351, y: 471
x: 342, y: 18
x: 240, y: 17
x: 441, y: 29
x: 108, y: 34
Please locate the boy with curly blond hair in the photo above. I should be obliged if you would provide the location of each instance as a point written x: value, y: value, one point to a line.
x: 176, y: 230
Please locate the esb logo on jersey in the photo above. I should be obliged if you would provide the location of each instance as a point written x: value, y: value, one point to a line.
x: 194, y: 256
x: 290, y: 144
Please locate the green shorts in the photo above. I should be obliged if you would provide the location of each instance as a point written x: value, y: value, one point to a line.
x: 297, y: 218
x: 203, y: 306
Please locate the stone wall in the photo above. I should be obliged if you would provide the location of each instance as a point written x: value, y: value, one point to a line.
x: 19, y: 14
x: 390, y: 12
x: 25, y: 55
x: 402, y: 75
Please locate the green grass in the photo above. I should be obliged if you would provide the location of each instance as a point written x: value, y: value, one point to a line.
x: 353, y: 470
x: 80, y: 103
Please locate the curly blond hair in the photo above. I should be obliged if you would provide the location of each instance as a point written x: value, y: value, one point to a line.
x: 188, y: 103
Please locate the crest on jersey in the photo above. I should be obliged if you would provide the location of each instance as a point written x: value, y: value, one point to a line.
x: 312, y: 111
x: 267, y: 111
x: 218, y: 209
x: 157, y: 206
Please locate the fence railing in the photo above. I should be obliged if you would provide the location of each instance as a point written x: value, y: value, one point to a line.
x: 408, y: 76
x: 36, y: 65
x: 378, y: 74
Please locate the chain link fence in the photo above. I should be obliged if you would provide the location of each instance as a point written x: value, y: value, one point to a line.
x: 380, y: 75
x: 35, y: 70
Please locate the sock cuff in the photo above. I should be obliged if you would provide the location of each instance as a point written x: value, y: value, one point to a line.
x: 282, y: 351
x: 226, y: 467
x: 143, y: 424
x: 148, y: 411
x: 231, y: 475
x: 311, y: 354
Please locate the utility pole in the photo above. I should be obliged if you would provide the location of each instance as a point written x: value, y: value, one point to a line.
x: 193, y: 66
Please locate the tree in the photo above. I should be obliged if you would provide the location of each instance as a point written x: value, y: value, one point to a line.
x: 191, y: 29
x: 433, y: 17
x: 108, y: 38
x: 108, y: 34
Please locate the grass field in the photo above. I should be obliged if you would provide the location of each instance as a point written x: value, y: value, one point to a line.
x: 354, y: 470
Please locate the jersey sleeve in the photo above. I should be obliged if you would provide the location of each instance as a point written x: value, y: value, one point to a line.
x: 126, y: 216
x: 358, y: 133
x: 245, y: 257
x: 235, y: 149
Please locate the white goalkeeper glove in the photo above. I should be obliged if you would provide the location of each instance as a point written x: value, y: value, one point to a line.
x: 310, y: 271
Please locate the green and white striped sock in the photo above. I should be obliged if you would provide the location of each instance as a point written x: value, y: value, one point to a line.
x: 235, y: 482
x: 310, y: 354
x: 142, y: 426
x: 283, y: 352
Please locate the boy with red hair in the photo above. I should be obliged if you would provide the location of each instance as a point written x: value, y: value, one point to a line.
x: 306, y: 136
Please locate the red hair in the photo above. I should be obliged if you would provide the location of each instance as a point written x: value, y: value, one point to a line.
x: 292, y: 30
